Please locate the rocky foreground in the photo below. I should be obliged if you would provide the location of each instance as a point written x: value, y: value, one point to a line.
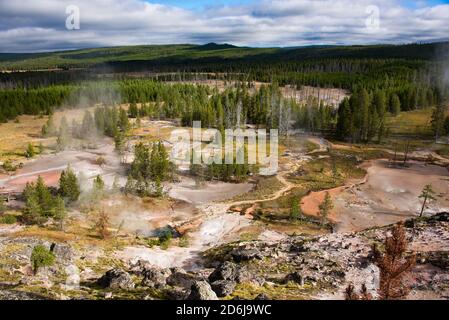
x: 294, y: 268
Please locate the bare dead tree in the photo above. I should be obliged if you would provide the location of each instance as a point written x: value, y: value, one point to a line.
x: 102, y: 224
x: 406, y: 151
x: 350, y: 293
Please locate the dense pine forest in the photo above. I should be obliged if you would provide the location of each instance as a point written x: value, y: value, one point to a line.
x: 381, y: 79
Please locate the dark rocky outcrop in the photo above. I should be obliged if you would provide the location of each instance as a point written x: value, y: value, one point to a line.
x: 155, y: 277
x: 116, y: 279
x: 223, y: 288
x: 180, y: 278
x: 201, y: 290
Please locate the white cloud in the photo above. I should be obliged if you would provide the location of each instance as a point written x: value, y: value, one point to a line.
x: 31, y: 25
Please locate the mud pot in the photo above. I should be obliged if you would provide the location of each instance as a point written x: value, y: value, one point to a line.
x: 386, y: 195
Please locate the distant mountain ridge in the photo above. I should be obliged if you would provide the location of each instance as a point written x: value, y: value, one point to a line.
x: 214, y: 52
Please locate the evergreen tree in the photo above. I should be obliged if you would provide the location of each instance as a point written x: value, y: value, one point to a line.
x: 325, y: 207
x: 59, y: 211
x: 69, y: 186
x: 395, y: 106
x: 294, y: 212
x: 437, y: 121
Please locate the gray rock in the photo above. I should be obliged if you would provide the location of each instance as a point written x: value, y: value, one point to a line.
x: 116, y: 279
x: 223, y: 288
x: 177, y: 294
x: 233, y: 272
x: 226, y: 271
x: 140, y: 266
x: 244, y: 276
x: 201, y: 290
x: 63, y: 252
x: 243, y: 254
x: 155, y: 277
x: 180, y: 278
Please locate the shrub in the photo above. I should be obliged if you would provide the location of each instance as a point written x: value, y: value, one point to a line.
x: 8, y: 166
x: 41, y: 257
x: 8, y: 219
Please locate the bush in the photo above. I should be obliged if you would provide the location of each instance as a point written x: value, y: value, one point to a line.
x: 184, y: 241
x: 8, y: 166
x: 8, y: 219
x: 41, y: 257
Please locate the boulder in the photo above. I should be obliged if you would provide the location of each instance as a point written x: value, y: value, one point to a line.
x: 223, y: 288
x: 226, y: 271
x: 233, y: 272
x: 179, y: 278
x: 140, y: 266
x: 244, y: 276
x: 177, y: 294
x: 155, y: 277
x: 116, y: 279
x: 201, y: 290
x: 63, y: 252
x: 242, y: 254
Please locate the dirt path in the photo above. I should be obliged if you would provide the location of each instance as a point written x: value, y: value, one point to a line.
x: 282, y: 176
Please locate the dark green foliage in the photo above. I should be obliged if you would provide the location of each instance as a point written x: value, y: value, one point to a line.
x: 40, y: 204
x: 325, y: 207
x: 69, y: 187
x: 295, y: 211
x: 149, y: 169
x: 8, y: 219
x: 30, y: 152
x: 41, y: 257
x: 2, y: 204
x: 438, y: 121
x: 362, y: 117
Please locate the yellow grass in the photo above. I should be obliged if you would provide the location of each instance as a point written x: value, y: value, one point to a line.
x: 411, y: 122
x: 14, y: 137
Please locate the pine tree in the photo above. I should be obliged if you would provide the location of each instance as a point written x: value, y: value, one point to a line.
x: 123, y: 122
x: 69, y: 186
x: 294, y: 212
x: 44, y: 197
x: 325, y: 207
x: 344, y: 123
x: 395, y: 106
x: 437, y: 121
x: 59, y: 211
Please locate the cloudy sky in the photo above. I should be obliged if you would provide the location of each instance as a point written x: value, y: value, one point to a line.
x: 41, y: 25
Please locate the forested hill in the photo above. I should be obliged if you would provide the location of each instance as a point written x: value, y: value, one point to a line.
x: 162, y: 56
